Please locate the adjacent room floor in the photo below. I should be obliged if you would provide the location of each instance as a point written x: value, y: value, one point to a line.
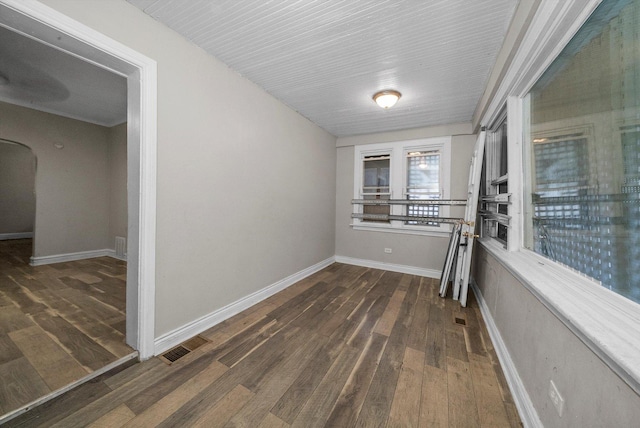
x: 58, y: 322
x: 347, y: 346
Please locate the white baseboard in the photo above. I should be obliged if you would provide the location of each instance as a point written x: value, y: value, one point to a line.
x: 17, y: 235
x: 69, y: 257
x: 113, y: 254
x: 187, y: 331
x: 429, y: 273
x: 525, y: 407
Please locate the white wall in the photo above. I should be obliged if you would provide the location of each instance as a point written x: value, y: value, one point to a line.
x: 72, y: 198
x: 17, y: 184
x: 246, y: 186
x: 425, y: 252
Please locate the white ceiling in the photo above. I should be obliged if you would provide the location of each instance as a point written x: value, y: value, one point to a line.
x: 38, y: 76
x: 326, y: 58
x: 323, y: 58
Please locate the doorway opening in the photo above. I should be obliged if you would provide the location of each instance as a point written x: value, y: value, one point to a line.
x: 17, y: 190
x: 41, y: 23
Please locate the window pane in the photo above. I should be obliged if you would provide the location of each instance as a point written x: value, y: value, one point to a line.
x: 376, y: 174
x: 423, y: 182
x: 495, y: 170
x: 376, y: 185
x: 583, y: 152
x: 503, y: 155
x: 423, y: 171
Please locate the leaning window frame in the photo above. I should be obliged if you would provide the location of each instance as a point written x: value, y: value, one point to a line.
x: 604, y: 321
x: 398, y: 151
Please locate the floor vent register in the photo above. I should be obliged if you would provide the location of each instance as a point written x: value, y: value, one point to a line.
x: 174, y: 354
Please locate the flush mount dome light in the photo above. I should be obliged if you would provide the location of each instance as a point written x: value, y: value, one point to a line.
x: 386, y: 99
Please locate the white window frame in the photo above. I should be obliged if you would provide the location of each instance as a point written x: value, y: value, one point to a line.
x: 606, y: 322
x: 398, y: 151
x: 493, y: 179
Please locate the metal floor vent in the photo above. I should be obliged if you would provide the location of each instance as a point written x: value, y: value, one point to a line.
x: 460, y: 321
x: 174, y: 354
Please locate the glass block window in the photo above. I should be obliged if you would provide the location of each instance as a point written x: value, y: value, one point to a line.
x: 423, y: 182
x: 582, y: 152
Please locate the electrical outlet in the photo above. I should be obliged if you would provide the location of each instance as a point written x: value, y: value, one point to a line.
x: 556, y: 398
x: 388, y: 250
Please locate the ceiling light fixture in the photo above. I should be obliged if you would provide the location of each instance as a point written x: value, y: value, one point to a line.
x: 386, y: 99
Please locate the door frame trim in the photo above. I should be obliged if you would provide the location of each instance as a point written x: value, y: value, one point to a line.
x: 40, y: 22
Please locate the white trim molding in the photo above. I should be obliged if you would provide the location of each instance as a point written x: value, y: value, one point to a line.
x: 113, y: 254
x: 521, y: 398
x: 70, y: 257
x: 187, y: 331
x: 406, y: 230
x: 44, y: 24
x: 17, y: 235
x: 58, y: 392
x: 412, y: 270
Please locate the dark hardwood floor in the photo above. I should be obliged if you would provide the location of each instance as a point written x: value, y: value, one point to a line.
x: 345, y: 347
x: 58, y: 322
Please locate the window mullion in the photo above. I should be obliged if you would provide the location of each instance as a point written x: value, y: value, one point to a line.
x: 515, y: 133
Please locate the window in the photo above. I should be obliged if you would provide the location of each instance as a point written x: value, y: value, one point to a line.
x: 582, y: 152
x: 415, y: 170
x: 574, y: 173
x: 376, y: 184
x: 423, y: 182
x: 494, y: 202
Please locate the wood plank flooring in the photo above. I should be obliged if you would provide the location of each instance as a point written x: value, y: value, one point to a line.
x: 58, y: 322
x: 345, y: 347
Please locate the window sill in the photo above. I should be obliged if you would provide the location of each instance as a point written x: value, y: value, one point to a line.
x: 606, y: 322
x: 444, y: 232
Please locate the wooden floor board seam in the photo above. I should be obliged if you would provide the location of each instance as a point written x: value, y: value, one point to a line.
x: 38, y: 298
x: 347, y: 346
